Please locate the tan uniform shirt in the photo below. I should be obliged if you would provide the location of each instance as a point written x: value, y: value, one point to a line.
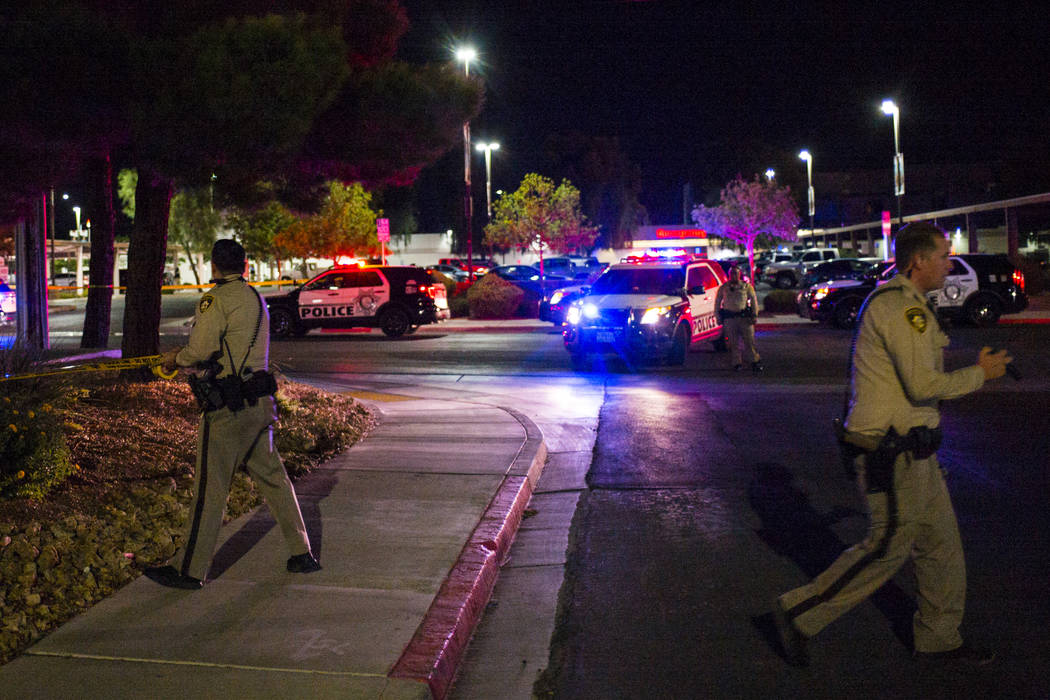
x: 226, y: 316
x: 734, y: 297
x: 898, y: 364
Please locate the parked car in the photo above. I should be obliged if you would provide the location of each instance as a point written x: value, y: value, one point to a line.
x: 456, y: 274
x: 740, y: 261
x: 554, y: 307
x: 980, y: 288
x: 397, y: 300
x: 841, y: 269
x: 769, y: 257
x: 788, y: 274
x: 528, y: 278
x: 480, y: 265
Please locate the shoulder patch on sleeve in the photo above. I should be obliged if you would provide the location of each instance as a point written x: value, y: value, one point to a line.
x: 206, y: 303
x: 916, y: 318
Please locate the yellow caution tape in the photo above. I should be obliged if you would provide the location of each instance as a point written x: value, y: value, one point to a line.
x: 151, y: 361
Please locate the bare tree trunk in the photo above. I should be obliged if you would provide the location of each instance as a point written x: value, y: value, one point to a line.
x: 100, y: 279
x: 149, y: 240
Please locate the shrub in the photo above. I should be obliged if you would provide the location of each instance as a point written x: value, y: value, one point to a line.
x: 494, y: 297
x: 780, y: 301
x: 458, y: 306
x: 529, y: 307
x: 33, y: 453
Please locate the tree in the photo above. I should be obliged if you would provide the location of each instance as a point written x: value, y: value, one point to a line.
x: 751, y: 212
x: 193, y: 223
x: 346, y: 225
x: 61, y: 113
x: 241, y: 95
x: 192, y: 220
x: 257, y: 230
x: 539, y: 216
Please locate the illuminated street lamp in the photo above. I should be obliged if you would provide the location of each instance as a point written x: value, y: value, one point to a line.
x: 465, y: 55
x: 890, y: 107
x: 804, y: 155
x: 487, y: 149
x: 770, y: 174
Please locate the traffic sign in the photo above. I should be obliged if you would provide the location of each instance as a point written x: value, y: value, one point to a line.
x: 383, y: 229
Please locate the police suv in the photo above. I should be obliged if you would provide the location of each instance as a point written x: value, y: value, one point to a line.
x: 647, y: 308
x: 397, y: 300
x: 979, y: 288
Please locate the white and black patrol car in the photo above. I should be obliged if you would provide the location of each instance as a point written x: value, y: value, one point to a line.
x: 647, y: 308
x: 397, y: 300
x: 979, y: 288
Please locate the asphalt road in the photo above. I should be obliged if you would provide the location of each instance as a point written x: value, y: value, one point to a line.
x: 708, y: 497
x: 710, y: 492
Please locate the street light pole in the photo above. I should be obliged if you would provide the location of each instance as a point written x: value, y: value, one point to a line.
x: 805, y: 155
x: 889, y: 107
x: 466, y: 55
x: 487, y: 149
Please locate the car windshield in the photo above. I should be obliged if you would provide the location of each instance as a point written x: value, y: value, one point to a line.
x: 639, y: 281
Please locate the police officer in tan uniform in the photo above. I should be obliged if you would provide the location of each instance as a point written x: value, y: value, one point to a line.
x: 737, y: 307
x: 229, y: 351
x: 891, y: 432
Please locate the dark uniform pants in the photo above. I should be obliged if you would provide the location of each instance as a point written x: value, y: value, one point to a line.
x: 225, y: 441
x: 741, y: 331
x: 913, y: 519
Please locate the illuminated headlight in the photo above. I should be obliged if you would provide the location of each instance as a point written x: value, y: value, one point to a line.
x: 820, y: 293
x: 590, y: 311
x: 651, y: 316
x: 557, y: 297
x: 572, y: 316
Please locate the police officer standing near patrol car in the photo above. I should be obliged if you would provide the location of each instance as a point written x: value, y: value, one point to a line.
x: 228, y: 354
x: 737, y: 307
x: 890, y: 438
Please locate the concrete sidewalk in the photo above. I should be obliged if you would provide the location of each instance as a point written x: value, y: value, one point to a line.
x: 411, y: 525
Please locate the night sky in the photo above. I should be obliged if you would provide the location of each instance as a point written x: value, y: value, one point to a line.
x: 699, y: 91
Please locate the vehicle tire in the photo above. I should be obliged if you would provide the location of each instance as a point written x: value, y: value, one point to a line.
x: 679, y: 346
x: 411, y: 330
x: 284, y: 325
x: 846, y: 312
x: 785, y: 280
x: 394, y: 322
x: 984, y: 310
x: 721, y: 343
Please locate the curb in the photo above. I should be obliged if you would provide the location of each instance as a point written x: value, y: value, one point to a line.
x: 437, y: 648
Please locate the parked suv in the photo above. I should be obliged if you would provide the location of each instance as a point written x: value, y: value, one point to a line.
x: 397, y: 300
x: 650, y: 309
x: 785, y: 275
x: 979, y: 288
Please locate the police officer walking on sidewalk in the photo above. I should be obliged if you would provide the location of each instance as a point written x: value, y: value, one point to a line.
x: 228, y: 352
x: 737, y: 307
x: 889, y: 439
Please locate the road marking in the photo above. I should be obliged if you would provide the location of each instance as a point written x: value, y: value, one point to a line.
x: 377, y: 396
x: 205, y: 664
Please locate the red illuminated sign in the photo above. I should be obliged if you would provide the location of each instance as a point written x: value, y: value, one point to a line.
x: 681, y: 233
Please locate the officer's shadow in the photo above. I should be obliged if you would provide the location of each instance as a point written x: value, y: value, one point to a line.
x: 310, y: 490
x: 793, y: 528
